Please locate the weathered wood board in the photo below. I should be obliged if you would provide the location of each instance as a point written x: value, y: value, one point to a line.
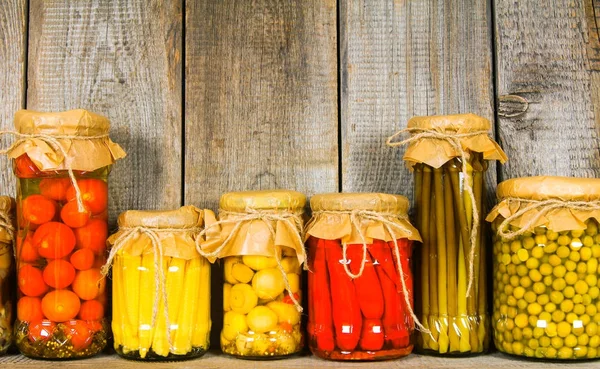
x: 401, y: 59
x: 548, y: 61
x: 121, y: 59
x: 13, y: 59
x: 260, y: 97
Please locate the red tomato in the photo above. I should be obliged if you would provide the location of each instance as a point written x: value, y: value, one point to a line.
x: 94, y: 193
x: 25, y: 168
x: 59, y: 273
x: 92, y: 236
x: 31, y: 281
x: 91, y: 310
x: 41, y: 330
x: 29, y: 309
x: 38, y: 209
x: 55, y: 188
x: 78, y: 333
x: 26, y: 251
x: 71, y: 215
x: 54, y: 240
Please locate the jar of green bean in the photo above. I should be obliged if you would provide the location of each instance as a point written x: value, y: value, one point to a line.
x: 449, y: 156
x: 546, y: 276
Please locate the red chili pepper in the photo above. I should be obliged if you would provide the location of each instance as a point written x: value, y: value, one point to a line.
x: 396, y: 332
x: 368, y: 289
x: 319, y: 302
x: 382, y: 255
x: 288, y: 299
x: 347, y: 319
x: 405, y: 249
x: 371, y: 337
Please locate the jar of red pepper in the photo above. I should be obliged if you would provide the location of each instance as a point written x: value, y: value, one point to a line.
x: 360, y: 280
x: 62, y: 161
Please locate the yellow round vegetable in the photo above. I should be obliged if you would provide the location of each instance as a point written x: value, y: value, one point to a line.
x: 290, y: 264
x: 259, y: 262
x: 268, y: 283
x: 294, y: 282
x: 242, y: 298
x: 261, y: 319
x: 242, y: 273
x: 233, y: 324
x: 285, y: 312
x: 226, y: 296
x: 228, y: 266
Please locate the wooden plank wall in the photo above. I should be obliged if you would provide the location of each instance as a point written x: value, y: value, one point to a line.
x: 548, y: 72
x: 405, y: 58
x: 209, y: 96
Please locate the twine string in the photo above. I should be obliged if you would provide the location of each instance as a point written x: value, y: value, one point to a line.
x: 291, y: 220
x: 52, y: 141
x: 356, y: 217
x: 159, y: 273
x: 454, y: 140
x: 543, y: 207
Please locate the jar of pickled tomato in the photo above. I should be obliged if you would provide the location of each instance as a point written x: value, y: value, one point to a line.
x: 258, y: 238
x: 62, y: 162
x: 546, y: 259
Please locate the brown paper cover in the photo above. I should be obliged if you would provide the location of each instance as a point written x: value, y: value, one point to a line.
x: 179, y: 244
x: 6, y: 206
x: 82, y: 154
x: 436, y: 152
x: 332, y: 226
x: 254, y: 236
x: 543, y: 188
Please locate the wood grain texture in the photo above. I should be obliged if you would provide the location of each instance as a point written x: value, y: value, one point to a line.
x: 550, y: 58
x: 216, y: 360
x: 405, y: 58
x: 13, y: 56
x: 261, y: 97
x: 121, y: 59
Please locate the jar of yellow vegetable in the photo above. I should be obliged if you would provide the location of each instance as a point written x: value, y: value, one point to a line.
x: 7, y: 269
x: 161, y: 285
x: 546, y: 258
x: 449, y: 155
x: 258, y: 238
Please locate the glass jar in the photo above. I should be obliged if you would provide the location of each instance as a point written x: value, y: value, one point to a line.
x: 449, y: 155
x: 60, y: 245
x: 546, y: 258
x: 357, y: 302
x: 262, y: 251
x: 181, y: 328
x: 7, y: 270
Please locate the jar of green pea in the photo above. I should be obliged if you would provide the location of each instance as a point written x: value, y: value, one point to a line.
x: 546, y: 257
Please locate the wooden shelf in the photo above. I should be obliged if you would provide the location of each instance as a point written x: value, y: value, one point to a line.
x: 218, y: 360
